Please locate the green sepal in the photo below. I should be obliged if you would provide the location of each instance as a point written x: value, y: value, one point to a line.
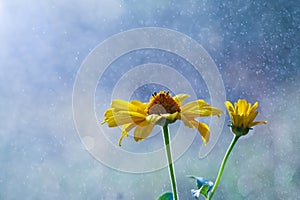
x: 204, y: 190
x: 166, y: 196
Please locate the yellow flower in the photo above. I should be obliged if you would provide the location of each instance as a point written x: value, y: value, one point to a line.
x: 242, y: 116
x: 161, y: 109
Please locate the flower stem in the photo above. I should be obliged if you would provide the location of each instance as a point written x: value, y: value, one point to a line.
x: 234, y: 140
x: 170, y: 161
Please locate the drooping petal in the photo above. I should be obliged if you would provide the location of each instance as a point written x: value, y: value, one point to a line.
x: 125, y: 129
x: 141, y: 132
x: 128, y: 127
x: 203, y: 129
x: 186, y: 121
x: 257, y: 123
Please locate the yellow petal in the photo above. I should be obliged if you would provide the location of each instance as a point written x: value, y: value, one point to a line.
x: 253, y: 108
x: 135, y: 106
x: 171, y: 117
x: 229, y: 107
x: 252, y: 116
x: 109, y: 112
x: 203, y: 129
x: 243, y: 114
x: 235, y: 108
x: 200, y: 108
x: 128, y: 127
x: 204, y: 112
x: 125, y: 129
x: 140, y: 133
x: 109, y: 119
x: 153, y: 118
x: 119, y: 104
x: 257, y: 123
x: 179, y: 98
x: 248, y: 108
x: 241, y: 105
x: 140, y: 106
x: 186, y: 121
x: 236, y: 120
x: 124, y: 117
x: 194, y: 105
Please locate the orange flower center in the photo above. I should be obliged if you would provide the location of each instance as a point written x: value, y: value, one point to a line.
x: 162, y: 103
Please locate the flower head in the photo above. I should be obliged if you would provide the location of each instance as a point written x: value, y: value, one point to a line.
x: 242, y: 116
x: 161, y: 109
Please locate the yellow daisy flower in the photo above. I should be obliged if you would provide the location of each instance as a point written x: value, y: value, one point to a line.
x: 161, y: 109
x: 242, y: 116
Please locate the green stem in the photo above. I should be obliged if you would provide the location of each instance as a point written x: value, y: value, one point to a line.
x: 234, y: 140
x: 170, y: 161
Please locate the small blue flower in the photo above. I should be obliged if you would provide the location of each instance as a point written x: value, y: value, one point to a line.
x: 196, y: 193
x: 204, y: 187
x: 202, y: 181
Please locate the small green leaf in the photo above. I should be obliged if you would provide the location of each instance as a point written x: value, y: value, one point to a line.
x: 166, y: 196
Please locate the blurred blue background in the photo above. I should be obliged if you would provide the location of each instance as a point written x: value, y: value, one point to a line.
x: 255, y: 45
